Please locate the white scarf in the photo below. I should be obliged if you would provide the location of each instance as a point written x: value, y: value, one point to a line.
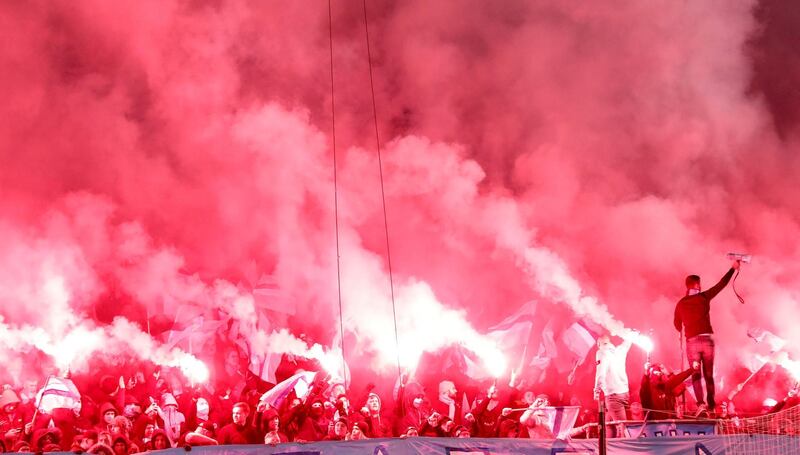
x: 451, y: 403
x: 172, y: 423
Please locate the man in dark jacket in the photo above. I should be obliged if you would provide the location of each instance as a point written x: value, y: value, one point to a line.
x: 238, y: 431
x: 692, y: 314
x: 313, y: 422
x: 659, y: 389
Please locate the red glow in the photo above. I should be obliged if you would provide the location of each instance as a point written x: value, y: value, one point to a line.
x: 158, y: 160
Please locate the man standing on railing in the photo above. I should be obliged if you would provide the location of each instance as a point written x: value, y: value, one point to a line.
x: 692, y: 313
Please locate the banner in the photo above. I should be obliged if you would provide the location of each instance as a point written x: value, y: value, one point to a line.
x: 667, y: 428
x: 688, y: 445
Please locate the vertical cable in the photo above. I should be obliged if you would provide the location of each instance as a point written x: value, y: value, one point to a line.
x: 336, y: 200
x: 383, y: 193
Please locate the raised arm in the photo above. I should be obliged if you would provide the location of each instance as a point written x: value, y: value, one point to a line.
x: 717, y: 288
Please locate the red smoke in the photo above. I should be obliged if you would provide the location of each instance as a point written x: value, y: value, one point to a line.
x: 152, y: 154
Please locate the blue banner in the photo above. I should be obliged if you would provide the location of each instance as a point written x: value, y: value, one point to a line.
x: 696, y: 445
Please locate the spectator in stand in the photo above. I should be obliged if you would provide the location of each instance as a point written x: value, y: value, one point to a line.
x: 659, y: 390
x: 379, y: 425
x: 535, y: 421
x: 171, y: 418
x: 447, y: 426
x: 101, y: 449
x: 345, y: 409
x: 28, y: 393
x: 120, y: 445
x: 45, y: 437
x: 13, y: 417
x: 508, y: 425
x: 86, y: 440
x: 290, y: 416
x: 413, y: 409
x: 337, y: 390
x: 358, y: 431
x: 462, y: 432
x: 202, y: 436
x: 106, y: 417
x: 313, y: 423
x: 430, y: 427
x: 410, y: 432
x: 139, y: 421
x: 108, y: 391
x: 273, y: 425
x: 446, y: 403
x: 121, y: 426
x: 147, y: 435
x: 21, y: 446
x: 160, y: 441
x: 272, y: 438
x: 486, y: 415
x: 104, y: 437
x: 338, y: 430
x: 238, y: 431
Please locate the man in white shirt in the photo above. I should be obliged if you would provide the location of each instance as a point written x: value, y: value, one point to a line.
x: 611, y: 377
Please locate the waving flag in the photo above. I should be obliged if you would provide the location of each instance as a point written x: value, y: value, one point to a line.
x: 561, y: 419
x: 300, y: 383
x: 578, y: 340
x: 58, y: 393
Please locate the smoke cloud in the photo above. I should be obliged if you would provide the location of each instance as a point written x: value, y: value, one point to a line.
x: 157, y: 158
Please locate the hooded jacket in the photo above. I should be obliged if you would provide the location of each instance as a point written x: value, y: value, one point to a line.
x: 410, y: 416
x: 39, y: 435
x: 8, y: 397
x: 379, y: 425
x: 313, y: 423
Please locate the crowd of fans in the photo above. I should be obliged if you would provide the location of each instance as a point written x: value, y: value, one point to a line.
x: 158, y: 409
x: 155, y: 409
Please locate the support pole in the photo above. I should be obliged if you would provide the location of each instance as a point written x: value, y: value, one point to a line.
x: 601, y: 420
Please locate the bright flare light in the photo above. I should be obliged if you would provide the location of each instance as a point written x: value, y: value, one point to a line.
x: 495, y: 363
x: 194, y: 369
x: 792, y: 366
x: 643, y: 341
x: 331, y: 362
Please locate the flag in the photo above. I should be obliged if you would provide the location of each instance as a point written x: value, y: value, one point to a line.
x: 266, y: 291
x: 513, y: 338
x: 548, y: 350
x: 267, y: 295
x: 58, y: 393
x: 525, y: 314
x: 194, y: 337
x: 512, y: 334
x: 300, y: 383
x: 266, y: 368
x: 561, y: 419
x: 578, y: 340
